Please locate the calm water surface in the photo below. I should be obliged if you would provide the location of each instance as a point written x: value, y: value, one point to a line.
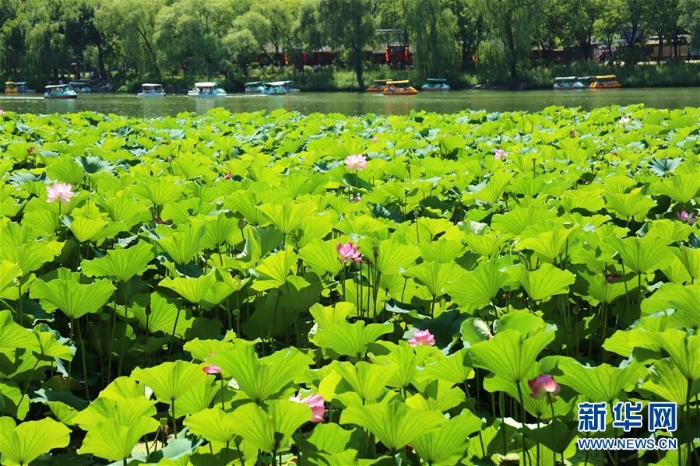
x: 358, y: 104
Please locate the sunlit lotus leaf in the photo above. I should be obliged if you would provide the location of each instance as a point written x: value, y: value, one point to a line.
x: 8, y: 272
x: 545, y: 282
x: 434, y: 275
x: 476, y: 288
x: 589, y: 200
x: 538, y: 407
x: 600, y: 383
x: 350, y: 339
x: 326, y: 316
x: 330, y: 438
x: 676, y: 272
x: 67, y: 293
x: 322, y: 257
x: 436, y: 395
x: 213, y: 424
x: 190, y: 288
x: 200, y: 397
x: 13, y: 401
x: 487, y: 245
x: 680, y: 188
x: 549, y: 245
x: 261, y: 378
x: 27, y: 254
x: 631, y: 205
x: 120, y: 264
x: 510, y: 354
x: 124, y: 412
x: 162, y: 316
x: 600, y: 290
x: 114, y: 441
x: 447, y: 445
x: 22, y: 444
x: 42, y: 220
x: 683, y: 349
x: 669, y: 231
x: 455, y: 368
x: 393, y: 424
x: 182, y: 246
x: 404, y: 359
x: 170, y: 380
x: 288, y: 216
x: 127, y: 210
x: 364, y: 380
x: 690, y: 258
x: 642, y: 255
x: 519, y: 218
x: 274, y: 270
x: 668, y: 383
x: 66, y: 171
x: 159, y: 191
x: 443, y: 250
x: 245, y: 204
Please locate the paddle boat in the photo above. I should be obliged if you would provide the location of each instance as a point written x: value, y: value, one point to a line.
x: 568, y: 83
x: 396, y: 88
x: 254, y: 87
x: 273, y: 89
x: 18, y: 87
x: 378, y: 86
x: 605, y: 82
x: 206, y: 89
x: 81, y: 87
x: 60, y: 91
x: 151, y: 90
x: 288, y: 86
x: 436, y: 84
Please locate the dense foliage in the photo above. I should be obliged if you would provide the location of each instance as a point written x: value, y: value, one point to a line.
x: 136, y: 40
x: 427, y: 289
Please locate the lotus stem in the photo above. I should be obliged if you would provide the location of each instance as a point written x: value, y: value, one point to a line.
x: 82, y: 356
x: 172, y: 407
x: 522, y: 426
x: 554, y: 433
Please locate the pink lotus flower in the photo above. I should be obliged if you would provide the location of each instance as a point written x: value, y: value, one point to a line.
x: 356, y: 162
x: 612, y: 278
x: 687, y: 217
x: 624, y: 120
x: 212, y: 369
x: 2, y: 112
x: 59, y: 191
x: 573, y: 133
x: 375, y: 139
x: 349, y: 252
x: 499, y: 154
x: 543, y: 385
x: 228, y: 176
x: 315, y: 402
x: 422, y: 338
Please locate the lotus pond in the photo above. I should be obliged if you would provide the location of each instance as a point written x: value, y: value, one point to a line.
x: 272, y: 288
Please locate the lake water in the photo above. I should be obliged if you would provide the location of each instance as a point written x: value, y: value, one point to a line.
x: 358, y: 104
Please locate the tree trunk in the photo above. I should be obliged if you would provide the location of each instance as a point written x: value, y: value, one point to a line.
x: 660, y: 53
x: 358, y: 68
x: 511, y: 49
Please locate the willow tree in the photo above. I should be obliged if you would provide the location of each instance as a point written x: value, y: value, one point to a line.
x: 352, y: 25
x: 511, y: 21
x: 433, y: 30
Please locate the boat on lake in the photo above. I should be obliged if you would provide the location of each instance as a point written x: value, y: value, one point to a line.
x: 564, y: 83
x: 206, y: 89
x: 254, y: 87
x: 81, y: 87
x: 151, y: 90
x: 60, y: 91
x: 397, y: 88
x: 604, y: 82
x: 378, y: 85
x: 436, y: 84
x: 18, y: 87
x: 273, y: 89
x: 288, y: 86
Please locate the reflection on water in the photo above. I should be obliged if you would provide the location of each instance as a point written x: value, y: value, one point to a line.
x: 357, y: 104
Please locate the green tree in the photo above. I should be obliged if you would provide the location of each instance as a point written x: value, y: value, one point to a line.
x: 662, y: 17
x: 510, y: 21
x: 690, y: 20
x: 351, y: 24
x: 433, y: 29
x: 129, y: 27
x: 308, y: 28
x: 280, y: 16
x: 612, y: 21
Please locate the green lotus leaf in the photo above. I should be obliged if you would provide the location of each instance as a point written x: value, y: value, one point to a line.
x: 170, y: 380
x: 492, y: 190
x: 262, y: 378
x: 350, y: 339
x: 631, y: 205
x: 549, y: 245
x: 162, y: 316
x: 537, y: 407
x: 197, y: 399
x: 447, y: 446
x: 85, y: 228
x: 159, y: 191
x: 218, y: 231
x: 545, y: 282
x: 274, y: 270
x: 24, y: 443
x: 126, y: 210
x: 322, y: 257
x: 52, y: 345
x: 476, y: 288
x: 600, y: 383
x: 684, y: 351
x: 114, y: 441
x: 519, y: 218
x: 668, y: 382
x: 436, y: 395
x: 124, y: 412
x: 690, y: 258
x: 327, y: 316
x: 443, y: 250
x: 66, y: 171
x: 680, y: 188
x: 366, y: 380
x: 669, y: 231
x: 63, y: 404
x: 13, y: 336
x: 602, y: 291
x: 289, y: 216
x: 245, y: 204
x: 13, y: 401
x: 486, y: 245
x: 676, y: 272
x: 192, y: 289
x: 28, y: 255
x: 213, y: 424
x: 434, y: 275
x: 330, y: 438
x: 123, y: 389
x: 394, y: 424
x: 392, y: 257
x: 404, y: 359
x: 183, y: 245
x: 510, y: 354
x: 72, y: 297
x: 45, y: 221
x: 455, y: 368
x: 643, y: 255
x: 120, y: 264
